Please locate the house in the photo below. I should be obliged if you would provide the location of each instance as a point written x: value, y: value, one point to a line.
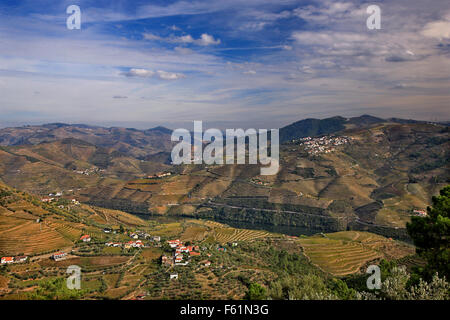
x: 134, y: 236
x: 138, y: 244
x: 157, y: 238
x: 207, y: 263
x: 59, y: 256
x: 107, y: 230
x: 134, y: 244
x: 20, y: 259
x: 128, y: 245
x: 420, y: 213
x: 193, y: 253
x: 6, y: 260
x: 174, y: 276
x: 174, y: 243
x: 86, y: 238
x: 47, y: 199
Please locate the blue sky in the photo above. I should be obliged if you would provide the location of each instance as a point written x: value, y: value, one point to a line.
x: 230, y: 63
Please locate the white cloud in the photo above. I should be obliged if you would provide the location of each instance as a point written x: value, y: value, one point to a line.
x: 143, y: 73
x: 249, y: 72
x: 327, y: 38
x: 437, y: 29
x: 170, y: 75
x: 204, y: 40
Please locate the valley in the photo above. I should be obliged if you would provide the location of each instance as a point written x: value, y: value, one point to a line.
x: 340, y: 202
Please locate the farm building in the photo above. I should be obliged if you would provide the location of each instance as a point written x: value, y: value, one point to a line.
x: 20, y: 259
x: 59, y: 256
x: 86, y: 238
x: 6, y: 260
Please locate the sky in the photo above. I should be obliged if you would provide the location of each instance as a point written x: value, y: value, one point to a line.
x: 229, y: 63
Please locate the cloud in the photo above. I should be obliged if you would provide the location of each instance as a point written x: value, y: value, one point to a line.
x: 163, y: 75
x: 120, y: 97
x: 249, y: 72
x: 145, y: 73
x: 204, y: 40
x: 327, y: 38
x: 437, y: 29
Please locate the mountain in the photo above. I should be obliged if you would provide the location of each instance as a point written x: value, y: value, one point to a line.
x: 373, y: 181
x: 133, y: 142
x: 316, y: 127
x: 70, y: 164
x: 366, y: 173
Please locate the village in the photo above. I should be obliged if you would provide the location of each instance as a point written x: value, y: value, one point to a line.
x: 88, y: 172
x: 325, y: 144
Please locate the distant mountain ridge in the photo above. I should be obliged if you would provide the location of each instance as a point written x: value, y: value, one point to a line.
x: 134, y: 142
x: 315, y: 127
x: 142, y: 143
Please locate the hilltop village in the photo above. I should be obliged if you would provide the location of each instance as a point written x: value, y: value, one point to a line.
x: 325, y: 144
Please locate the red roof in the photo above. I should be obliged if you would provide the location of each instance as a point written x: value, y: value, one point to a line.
x: 8, y: 259
x: 193, y: 253
x: 59, y: 254
x: 86, y: 236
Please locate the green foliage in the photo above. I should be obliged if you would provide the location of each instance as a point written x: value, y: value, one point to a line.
x: 55, y: 289
x: 340, y: 289
x: 431, y: 235
x: 256, y: 292
x: 395, y: 287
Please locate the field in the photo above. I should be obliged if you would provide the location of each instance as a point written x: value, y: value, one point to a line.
x: 344, y: 253
x: 225, y: 235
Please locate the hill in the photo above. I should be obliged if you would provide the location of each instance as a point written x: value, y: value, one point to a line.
x: 317, y: 127
x: 69, y: 164
x: 133, y: 142
x: 367, y: 173
x: 366, y: 178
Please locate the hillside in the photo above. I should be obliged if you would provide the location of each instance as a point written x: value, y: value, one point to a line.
x: 133, y: 142
x: 225, y: 262
x: 375, y: 179
x: 369, y: 174
x: 69, y: 164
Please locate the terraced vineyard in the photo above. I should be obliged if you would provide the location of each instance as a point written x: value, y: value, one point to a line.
x: 225, y: 235
x: 31, y: 238
x: 344, y: 253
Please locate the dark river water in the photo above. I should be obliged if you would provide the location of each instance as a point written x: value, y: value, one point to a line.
x: 288, y: 230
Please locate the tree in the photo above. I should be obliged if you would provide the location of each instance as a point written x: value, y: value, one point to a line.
x: 431, y: 235
x: 256, y: 292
